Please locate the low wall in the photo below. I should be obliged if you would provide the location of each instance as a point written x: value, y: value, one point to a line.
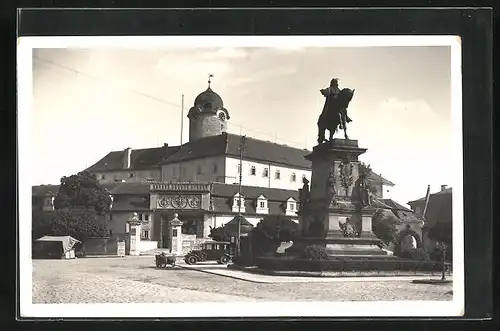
x: 100, y: 246
x: 147, y: 245
x: 356, y: 264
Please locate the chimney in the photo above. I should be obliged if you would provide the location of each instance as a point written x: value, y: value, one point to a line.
x: 165, y: 151
x: 444, y: 187
x: 126, y: 157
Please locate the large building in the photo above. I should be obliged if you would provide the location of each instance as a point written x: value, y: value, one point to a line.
x: 199, y: 180
x: 439, y: 210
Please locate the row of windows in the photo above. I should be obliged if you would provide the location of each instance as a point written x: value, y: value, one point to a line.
x: 130, y: 175
x: 265, y: 173
x: 262, y: 204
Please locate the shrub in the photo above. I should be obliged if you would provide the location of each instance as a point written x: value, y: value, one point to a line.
x: 417, y: 254
x: 314, y: 252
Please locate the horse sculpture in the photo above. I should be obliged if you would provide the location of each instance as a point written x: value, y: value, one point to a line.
x: 334, y: 112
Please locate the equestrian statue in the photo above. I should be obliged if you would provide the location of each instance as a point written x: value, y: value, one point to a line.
x: 334, y: 115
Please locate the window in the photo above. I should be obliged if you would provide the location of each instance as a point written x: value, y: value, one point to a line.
x: 140, y: 216
x: 293, y: 177
x: 145, y: 234
x: 265, y: 173
x: 131, y: 175
x: 292, y: 206
x: 262, y: 204
x: 215, y: 168
x: 103, y: 176
x: 277, y: 175
x: 252, y: 171
x: 146, y: 217
x: 189, y: 227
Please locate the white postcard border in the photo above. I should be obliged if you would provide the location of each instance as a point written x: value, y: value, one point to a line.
x: 232, y: 309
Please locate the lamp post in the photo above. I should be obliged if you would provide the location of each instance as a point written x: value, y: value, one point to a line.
x: 238, y: 223
x: 443, y: 253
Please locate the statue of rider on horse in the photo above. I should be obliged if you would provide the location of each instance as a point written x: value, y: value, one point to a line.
x: 334, y: 115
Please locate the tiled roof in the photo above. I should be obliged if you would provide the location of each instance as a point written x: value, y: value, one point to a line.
x: 44, y: 190
x: 255, y: 149
x: 222, y: 195
x: 200, y: 148
x: 445, y: 191
x: 139, y: 159
x: 261, y: 150
x: 113, y: 188
x: 394, y: 205
x: 139, y: 188
x: 131, y: 203
x: 253, y: 192
x: 378, y: 178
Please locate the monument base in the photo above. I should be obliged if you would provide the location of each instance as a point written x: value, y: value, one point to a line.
x: 346, y: 247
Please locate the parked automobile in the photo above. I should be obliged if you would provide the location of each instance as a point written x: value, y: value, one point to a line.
x: 220, y: 251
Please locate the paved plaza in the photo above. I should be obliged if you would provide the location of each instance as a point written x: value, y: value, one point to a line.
x: 137, y: 280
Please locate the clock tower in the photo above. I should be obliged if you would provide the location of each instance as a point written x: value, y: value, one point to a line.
x: 207, y: 117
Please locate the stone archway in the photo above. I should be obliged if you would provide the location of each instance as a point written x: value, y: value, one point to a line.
x: 406, y: 235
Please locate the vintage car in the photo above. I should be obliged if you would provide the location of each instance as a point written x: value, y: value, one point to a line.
x: 162, y: 260
x: 220, y: 251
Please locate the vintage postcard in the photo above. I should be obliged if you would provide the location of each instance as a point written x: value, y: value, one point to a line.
x: 231, y: 176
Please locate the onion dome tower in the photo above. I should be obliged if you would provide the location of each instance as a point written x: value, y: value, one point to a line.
x: 207, y: 117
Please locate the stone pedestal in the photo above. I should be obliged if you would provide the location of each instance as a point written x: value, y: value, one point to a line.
x: 176, y: 237
x: 334, y: 202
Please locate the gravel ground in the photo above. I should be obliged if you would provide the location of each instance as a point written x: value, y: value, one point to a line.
x: 136, y: 279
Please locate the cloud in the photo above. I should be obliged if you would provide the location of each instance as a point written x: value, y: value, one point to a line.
x: 259, y: 76
x: 177, y: 66
x: 225, y: 53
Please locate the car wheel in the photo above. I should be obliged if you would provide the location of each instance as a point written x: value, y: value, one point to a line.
x: 192, y: 259
x: 224, y: 259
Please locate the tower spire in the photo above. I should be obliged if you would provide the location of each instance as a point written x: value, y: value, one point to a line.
x: 209, y: 80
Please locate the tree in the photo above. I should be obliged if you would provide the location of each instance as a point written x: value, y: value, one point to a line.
x: 364, y: 172
x: 384, y: 226
x: 82, y: 191
x: 42, y: 222
x: 80, y: 223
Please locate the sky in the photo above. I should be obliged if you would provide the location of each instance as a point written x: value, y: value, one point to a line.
x: 90, y: 101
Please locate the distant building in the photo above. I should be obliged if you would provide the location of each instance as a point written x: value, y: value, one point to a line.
x: 198, y: 180
x: 439, y: 209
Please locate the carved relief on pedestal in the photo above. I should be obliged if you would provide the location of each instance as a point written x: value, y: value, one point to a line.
x: 345, y: 176
x: 179, y: 202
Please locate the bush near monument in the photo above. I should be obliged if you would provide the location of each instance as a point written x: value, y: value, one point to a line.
x: 314, y: 252
x: 416, y: 254
x: 384, y: 226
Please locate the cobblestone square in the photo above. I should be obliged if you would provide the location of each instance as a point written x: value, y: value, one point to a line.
x: 137, y: 280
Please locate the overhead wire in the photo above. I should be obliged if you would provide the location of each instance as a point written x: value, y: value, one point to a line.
x: 163, y: 101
